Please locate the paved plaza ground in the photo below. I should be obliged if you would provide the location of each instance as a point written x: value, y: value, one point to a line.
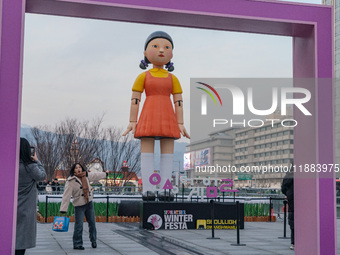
x: 127, y: 238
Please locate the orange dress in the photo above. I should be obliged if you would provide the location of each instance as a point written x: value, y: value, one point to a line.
x: 158, y: 119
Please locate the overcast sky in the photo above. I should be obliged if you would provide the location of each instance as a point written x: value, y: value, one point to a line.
x: 81, y: 68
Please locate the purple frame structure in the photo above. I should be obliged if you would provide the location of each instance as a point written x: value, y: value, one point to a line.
x: 312, y: 31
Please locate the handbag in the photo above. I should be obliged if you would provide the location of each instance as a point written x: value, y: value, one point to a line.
x: 60, y: 224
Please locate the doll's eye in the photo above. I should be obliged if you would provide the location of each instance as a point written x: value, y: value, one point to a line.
x: 167, y: 47
x: 154, y: 46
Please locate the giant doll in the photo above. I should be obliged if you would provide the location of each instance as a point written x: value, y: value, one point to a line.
x: 159, y: 119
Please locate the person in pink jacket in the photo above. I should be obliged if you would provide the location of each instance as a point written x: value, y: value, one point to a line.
x: 78, y: 186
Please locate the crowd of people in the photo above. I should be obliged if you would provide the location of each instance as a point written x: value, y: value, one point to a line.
x: 51, y: 187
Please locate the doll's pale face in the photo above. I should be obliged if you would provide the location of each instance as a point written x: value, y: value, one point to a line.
x: 78, y: 169
x: 159, y: 52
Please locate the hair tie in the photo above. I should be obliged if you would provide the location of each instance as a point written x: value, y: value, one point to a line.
x: 170, y: 66
x: 143, y: 65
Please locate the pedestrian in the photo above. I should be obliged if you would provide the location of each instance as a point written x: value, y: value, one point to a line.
x: 31, y: 172
x: 78, y: 186
x: 42, y: 186
x: 55, y: 186
x: 158, y: 119
x: 49, y: 188
x: 288, y: 189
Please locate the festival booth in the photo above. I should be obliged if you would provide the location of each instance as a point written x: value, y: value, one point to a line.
x: 310, y: 26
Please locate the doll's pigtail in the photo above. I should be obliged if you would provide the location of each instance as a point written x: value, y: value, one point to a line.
x: 143, y: 65
x: 170, y: 66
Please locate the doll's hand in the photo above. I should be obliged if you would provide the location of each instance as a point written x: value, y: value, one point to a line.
x: 183, y: 131
x: 131, y: 127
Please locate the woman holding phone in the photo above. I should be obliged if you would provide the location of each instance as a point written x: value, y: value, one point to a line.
x: 31, y: 171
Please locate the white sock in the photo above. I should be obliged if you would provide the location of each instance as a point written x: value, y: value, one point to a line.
x: 147, y: 169
x: 166, y: 167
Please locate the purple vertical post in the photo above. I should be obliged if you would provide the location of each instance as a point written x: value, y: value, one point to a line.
x: 326, y: 138
x: 12, y: 26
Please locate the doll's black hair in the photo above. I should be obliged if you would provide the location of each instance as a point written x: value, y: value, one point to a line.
x: 74, y: 166
x: 157, y: 34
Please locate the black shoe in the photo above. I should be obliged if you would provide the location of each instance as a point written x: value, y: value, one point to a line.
x: 94, y: 244
x: 166, y: 195
x: 148, y: 196
x: 79, y: 248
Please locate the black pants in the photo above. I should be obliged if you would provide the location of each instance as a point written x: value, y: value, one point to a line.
x: 291, y: 224
x: 20, y: 252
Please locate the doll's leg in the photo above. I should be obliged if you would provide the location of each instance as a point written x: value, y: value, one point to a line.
x: 166, y: 163
x: 147, y: 162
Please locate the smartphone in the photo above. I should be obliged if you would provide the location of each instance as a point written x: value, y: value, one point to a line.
x: 32, y: 151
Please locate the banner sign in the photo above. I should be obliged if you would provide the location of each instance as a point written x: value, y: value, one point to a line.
x: 244, y: 176
x: 180, y: 216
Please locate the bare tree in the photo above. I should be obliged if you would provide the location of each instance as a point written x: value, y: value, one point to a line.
x: 74, y: 141
x: 117, y: 149
x: 47, y: 149
x: 80, y: 141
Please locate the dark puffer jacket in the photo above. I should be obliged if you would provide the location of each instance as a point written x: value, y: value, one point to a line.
x: 288, y: 189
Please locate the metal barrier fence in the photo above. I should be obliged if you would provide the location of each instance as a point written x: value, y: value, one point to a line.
x: 131, y: 190
x: 274, y: 203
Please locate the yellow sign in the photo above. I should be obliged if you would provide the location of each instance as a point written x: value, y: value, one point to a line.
x: 218, y: 224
